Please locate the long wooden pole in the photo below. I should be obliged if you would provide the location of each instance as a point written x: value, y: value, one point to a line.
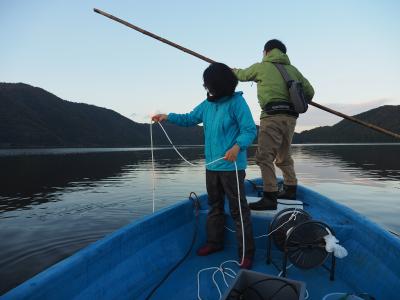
x: 202, y: 57
x: 154, y: 36
x: 355, y: 120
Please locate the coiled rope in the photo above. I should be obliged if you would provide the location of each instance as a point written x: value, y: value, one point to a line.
x: 192, y: 164
x: 221, y: 269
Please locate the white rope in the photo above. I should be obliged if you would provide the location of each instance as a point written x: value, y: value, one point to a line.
x: 220, y: 268
x: 240, y: 213
x: 332, y: 245
x: 335, y: 294
x: 192, y: 164
x: 177, y: 151
x: 166, y: 134
x: 152, y: 163
x: 216, y: 284
x: 292, y: 217
x: 198, y: 281
x: 230, y: 270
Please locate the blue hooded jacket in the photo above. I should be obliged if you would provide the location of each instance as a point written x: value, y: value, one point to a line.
x: 226, y: 122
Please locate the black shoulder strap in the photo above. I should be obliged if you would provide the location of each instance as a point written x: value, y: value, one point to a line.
x: 283, y: 72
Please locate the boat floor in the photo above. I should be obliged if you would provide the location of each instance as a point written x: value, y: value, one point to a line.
x: 182, y: 283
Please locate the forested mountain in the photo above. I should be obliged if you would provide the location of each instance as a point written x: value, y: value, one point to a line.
x: 387, y: 117
x: 33, y: 117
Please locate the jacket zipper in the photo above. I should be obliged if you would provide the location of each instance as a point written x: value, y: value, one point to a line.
x: 215, y: 109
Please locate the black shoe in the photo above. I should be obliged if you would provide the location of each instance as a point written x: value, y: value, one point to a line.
x: 288, y: 192
x: 267, y: 202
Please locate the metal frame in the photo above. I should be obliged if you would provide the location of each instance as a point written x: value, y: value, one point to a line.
x: 286, y: 249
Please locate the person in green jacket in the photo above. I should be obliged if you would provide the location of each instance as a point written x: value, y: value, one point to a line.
x: 277, y: 124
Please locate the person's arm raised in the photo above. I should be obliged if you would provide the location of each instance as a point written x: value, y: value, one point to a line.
x: 248, y: 74
x: 190, y: 119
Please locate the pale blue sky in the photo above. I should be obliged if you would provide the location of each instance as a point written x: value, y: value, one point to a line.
x: 349, y: 50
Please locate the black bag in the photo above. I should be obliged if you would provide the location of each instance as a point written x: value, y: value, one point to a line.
x: 296, y: 93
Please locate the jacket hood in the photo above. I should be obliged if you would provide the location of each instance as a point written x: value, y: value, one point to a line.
x: 277, y: 56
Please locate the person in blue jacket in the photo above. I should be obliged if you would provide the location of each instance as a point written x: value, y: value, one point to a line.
x: 229, y: 129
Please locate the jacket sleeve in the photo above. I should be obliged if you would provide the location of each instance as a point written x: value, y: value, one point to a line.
x: 190, y: 119
x: 247, y: 127
x: 307, y: 88
x: 249, y: 74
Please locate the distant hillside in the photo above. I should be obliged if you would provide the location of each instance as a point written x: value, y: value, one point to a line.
x: 33, y: 117
x: 387, y: 117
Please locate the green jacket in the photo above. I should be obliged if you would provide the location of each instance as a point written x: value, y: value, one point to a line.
x: 270, y: 84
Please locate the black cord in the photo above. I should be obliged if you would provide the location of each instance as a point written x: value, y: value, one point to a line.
x: 196, y: 204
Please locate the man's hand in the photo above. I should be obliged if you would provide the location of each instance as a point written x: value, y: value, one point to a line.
x: 232, y: 153
x: 159, y: 117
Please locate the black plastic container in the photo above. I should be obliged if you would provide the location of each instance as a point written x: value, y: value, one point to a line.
x: 254, y: 285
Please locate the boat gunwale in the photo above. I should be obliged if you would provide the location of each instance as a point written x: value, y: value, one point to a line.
x: 33, y: 285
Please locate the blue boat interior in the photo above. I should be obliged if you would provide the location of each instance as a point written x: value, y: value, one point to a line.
x: 130, y: 262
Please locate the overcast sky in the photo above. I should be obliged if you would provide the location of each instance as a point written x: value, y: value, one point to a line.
x: 349, y: 50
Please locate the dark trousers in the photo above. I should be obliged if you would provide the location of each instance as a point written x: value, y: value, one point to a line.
x: 219, y: 184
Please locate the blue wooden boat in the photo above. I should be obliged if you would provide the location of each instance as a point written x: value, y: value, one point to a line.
x: 131, y: 262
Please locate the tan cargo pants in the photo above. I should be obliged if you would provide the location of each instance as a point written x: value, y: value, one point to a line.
x: 274, y: 140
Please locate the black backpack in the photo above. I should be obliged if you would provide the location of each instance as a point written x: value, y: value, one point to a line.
x: 296, y: 93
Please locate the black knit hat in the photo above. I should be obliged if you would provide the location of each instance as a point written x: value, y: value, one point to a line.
x: 219, y: 80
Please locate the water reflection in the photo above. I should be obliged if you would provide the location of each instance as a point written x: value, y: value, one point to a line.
x: 376, y: 161
x: 54, y: 202
x: 40, y: 178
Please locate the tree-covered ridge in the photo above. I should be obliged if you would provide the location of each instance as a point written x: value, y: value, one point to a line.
x: 387, y: 117
x: 33, y: 117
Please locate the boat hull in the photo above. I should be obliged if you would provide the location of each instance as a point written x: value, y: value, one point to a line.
x: 128, y: 263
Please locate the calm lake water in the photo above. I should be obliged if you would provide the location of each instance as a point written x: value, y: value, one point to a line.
x: 53, y: 202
